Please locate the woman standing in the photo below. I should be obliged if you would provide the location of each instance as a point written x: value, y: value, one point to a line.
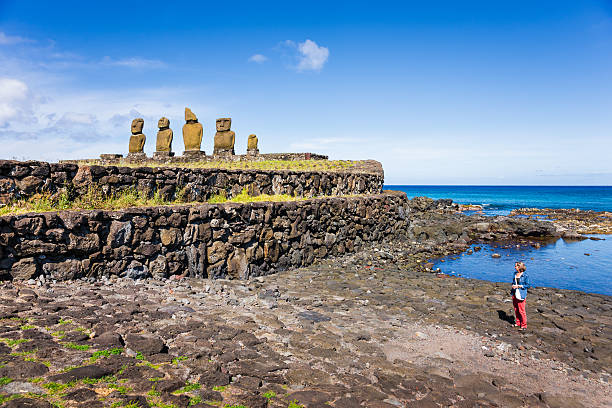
x: 520, y: 284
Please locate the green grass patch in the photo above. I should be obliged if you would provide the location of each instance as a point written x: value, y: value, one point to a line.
x: 219, y: 388
x: 295, y: 404
x: 60, y: 334
x: 24, y: 353
x: 27, y: 327
x: 178, y: 359
x: 56, y: 388
x: 5, y: 380
x: 187, y: 388
x: 153, y: 392
x: 105, y: 353
x: 63, y: 322
x: 296, y: 165
x: 269, y: 395
x: 47, y: 363
x: 13, y: 342
x: 84, y: 331
x: 75, y: 346
x: 94, y: 198
x: 195, y: 400
x: 125, y: 404
x: 110, y: 379
x: 121, y: 389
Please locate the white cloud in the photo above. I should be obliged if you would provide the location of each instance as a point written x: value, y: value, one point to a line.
x: 16, y: 102
x: 11, y: 39
x: 258, y: 58
x: 134, y: 62
x: 312, y: 57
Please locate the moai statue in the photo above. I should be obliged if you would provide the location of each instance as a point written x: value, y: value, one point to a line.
x: 163, y: 148
x: 252, y: 149
x: 137, y: 140
x: 192, y: 134
x: 224, y: 138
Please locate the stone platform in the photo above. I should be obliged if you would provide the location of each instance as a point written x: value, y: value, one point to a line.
x: 197, y: 156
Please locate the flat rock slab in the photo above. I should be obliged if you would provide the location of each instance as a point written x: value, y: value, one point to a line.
x: 20, y: 387
x: 79, y: 373
x: 314, y: 316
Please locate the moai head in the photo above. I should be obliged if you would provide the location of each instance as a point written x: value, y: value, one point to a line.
x: 190, y: 116
x: 224, y: 124
x: 163, y: 123
x: 137, y: 125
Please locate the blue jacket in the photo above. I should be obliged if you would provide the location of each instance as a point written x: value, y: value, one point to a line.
x: 524, y: 282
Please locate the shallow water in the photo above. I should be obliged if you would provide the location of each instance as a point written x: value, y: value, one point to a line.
x: 561, y: 264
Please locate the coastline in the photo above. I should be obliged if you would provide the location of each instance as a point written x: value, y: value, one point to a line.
x: 374, y: 328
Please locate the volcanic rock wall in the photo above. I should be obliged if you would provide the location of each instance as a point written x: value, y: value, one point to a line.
x: 23, y: 179
x: 209, y: 240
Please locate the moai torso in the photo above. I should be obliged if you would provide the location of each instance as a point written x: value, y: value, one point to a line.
x: 192, y: 131
x: 252, y: 142
x: 138, y: 139
x: 164, y: 136
x: 224, y: 138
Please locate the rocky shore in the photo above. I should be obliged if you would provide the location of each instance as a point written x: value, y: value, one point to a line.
x: 376, y: 328
x: 372, y: 329
x: 572, y: 219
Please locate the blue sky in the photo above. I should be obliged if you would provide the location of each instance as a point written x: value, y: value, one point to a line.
x: 444, y: 93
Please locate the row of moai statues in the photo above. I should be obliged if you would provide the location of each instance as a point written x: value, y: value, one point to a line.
x: 192, y: 137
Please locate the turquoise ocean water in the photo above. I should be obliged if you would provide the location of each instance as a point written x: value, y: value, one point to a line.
x: 583, y: 265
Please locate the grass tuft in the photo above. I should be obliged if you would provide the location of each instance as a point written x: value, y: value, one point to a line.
x: 105, y: 353
x: 75, y: 346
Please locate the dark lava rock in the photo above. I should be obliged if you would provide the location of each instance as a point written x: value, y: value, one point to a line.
x: 27, y: 403
x: 135, y: 401
x: 90, y: 371
x: 309, y: 398
x: 23, y: 370
x: 138, y: 372
x: 4, y: 349
x: 109, y: 340
x: 81, y: 394
x: 168, y: 385
x: 146, y: 345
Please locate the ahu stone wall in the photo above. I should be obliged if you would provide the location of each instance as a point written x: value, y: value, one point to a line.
x: 23, y: 179
x: 231, y: 240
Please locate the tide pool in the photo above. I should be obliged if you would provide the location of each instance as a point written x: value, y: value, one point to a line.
x: 578, y: 265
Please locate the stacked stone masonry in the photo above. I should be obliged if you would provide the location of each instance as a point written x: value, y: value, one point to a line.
x: 23, y: 179
x: 228, y: 240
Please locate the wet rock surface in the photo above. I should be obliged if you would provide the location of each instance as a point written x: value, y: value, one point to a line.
x: 372, y: 329
x: 573, y: 220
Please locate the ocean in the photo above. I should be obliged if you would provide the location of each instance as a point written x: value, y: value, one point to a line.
x: 500, y: 200
x: 583, y: 265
